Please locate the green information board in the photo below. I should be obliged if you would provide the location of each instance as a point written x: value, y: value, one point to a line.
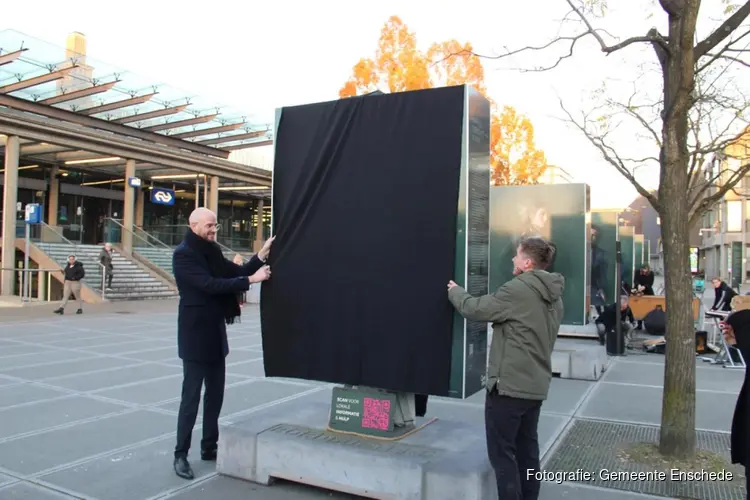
x: 647, y: 252
x: 362, y: 411
x: 604, y: 282
x: 627, y: 247
x: 558, y: 212
x: 638, y: 253
x: 469, y: 349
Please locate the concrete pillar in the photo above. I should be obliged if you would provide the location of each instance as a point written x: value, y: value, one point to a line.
x: 205, y: 193
x: 197, y: 192
x: 41, y: 286
x: 259, y: 229
x: 213, y: 196
x: 128, y: 211
x: 139, y: 201
x: 10, y: 197
x: 53, y: 201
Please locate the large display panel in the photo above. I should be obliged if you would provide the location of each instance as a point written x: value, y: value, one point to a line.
x: 379, y: 201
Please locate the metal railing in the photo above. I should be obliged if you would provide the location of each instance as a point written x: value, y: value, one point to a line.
x: 26, y: 287
x: 173, y: 234
x: 139, y: 234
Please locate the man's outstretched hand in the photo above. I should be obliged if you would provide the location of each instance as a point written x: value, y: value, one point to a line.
x: 263, y: 254
x: 451, y: 284
x: 261, y: 274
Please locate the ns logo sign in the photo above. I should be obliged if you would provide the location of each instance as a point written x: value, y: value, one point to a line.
x: 162, y: 196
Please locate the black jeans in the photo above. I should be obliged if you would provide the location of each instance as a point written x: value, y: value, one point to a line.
x: 195, y: 374
x: 513, y: 445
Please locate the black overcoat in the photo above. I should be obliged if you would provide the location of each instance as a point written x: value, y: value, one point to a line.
x: 740, y: 438
x: 201, y: 327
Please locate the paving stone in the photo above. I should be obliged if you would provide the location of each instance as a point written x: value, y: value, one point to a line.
x: 130, y: 345
x: 250, y: 368
x: 38, y: 359
x: 69, y: 368
x: 88, y: 341
x: 45, y: 414
x: 138, y: 473
x: 246, y: 340
x: 126, y: 375
x: 85, y: 440
x: 236, y: 356
x: 28, y: 491
x: 9, y: 349
x: 158, y: 354
x: 153, y: 391
x: 638, y: 404
x: 227, y: 488
x: 707, y: 378
x: 6, y: 479
x: 25, y: 393
x: 247, y: 396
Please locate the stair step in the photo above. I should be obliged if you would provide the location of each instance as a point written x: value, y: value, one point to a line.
x: 130, y: 281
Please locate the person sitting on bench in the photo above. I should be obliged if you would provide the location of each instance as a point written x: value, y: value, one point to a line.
x: 606, y: 321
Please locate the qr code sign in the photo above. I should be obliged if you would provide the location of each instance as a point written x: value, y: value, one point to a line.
x: 376, y: 413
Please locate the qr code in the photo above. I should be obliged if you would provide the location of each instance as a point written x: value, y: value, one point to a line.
x: 376, y: 413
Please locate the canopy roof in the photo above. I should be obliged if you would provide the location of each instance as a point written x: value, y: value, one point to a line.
x: 67, y: 79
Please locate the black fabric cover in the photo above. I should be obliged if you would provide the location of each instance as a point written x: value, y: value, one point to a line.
x: 365, y: 194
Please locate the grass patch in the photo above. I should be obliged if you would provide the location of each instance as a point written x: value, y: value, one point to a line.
x: 648, y: 454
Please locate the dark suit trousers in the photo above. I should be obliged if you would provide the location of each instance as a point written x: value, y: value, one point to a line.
x: 195, y: 374
x: 513, y: 445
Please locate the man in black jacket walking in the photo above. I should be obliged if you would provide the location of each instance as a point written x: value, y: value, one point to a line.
x: 73, y: 273
x: 208, y: 284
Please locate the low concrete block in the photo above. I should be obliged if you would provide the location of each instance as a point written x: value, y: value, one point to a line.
x: 579, y: 331
x: 579, y: 359
x: 442, y: 461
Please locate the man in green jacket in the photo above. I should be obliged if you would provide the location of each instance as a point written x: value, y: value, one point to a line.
x: 525, y: 313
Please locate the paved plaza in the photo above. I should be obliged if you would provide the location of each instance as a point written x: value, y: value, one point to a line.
x: 88, y: 406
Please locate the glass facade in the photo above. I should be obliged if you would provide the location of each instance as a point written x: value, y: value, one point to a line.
x: 85, y: 204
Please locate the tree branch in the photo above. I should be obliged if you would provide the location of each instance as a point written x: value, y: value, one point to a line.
x: 653, y: 37
x: 723, y: 31
x: 613, y: 159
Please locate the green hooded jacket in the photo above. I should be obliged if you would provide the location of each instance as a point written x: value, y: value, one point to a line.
x: 525, y: 314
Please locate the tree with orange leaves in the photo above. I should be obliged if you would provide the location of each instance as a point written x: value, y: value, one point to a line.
x: 400, y: 66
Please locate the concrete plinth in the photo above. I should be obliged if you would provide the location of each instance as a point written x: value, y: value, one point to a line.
x: 443, y: 461
x: 578, y: 331
x: 579, y: 359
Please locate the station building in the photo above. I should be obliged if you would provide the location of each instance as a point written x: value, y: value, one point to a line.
x: 112, y: 157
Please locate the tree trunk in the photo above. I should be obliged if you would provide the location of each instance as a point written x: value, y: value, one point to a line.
x: 678, y: 402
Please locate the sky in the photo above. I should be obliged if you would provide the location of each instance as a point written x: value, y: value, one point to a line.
x: 258, y: 56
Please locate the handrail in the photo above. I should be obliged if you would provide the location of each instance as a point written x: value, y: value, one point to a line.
x: 58, y: 233
x: 221, y: 245
x: 104, y: 277
x: 26, y: 284
x: 164, y: 245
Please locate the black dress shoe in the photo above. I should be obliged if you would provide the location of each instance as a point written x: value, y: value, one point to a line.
x: 182, y: 468
x: 209, y: 455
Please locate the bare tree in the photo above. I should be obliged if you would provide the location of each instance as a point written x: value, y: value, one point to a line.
x: 694, y: 109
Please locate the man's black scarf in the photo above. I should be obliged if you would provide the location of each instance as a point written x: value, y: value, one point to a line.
x: 217, y: 267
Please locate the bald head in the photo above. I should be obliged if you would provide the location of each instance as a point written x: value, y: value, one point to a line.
x: 203, y: 223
